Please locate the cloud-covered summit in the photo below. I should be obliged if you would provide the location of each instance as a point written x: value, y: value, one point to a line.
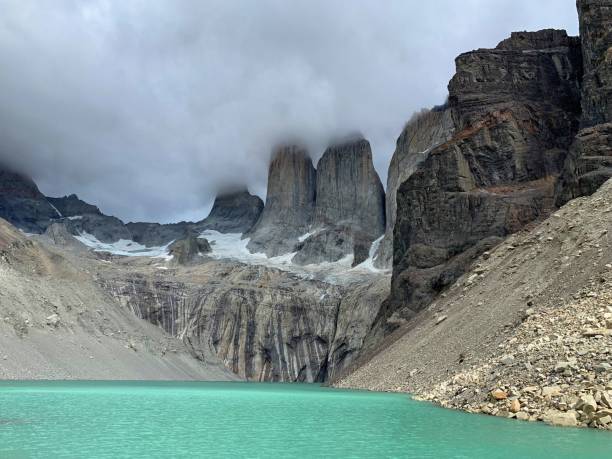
x: 146, y: 107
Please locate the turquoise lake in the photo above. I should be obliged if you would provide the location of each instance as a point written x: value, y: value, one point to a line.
x: 201, y: 419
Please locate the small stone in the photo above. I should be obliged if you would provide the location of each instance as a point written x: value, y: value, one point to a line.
x: 560, y: 367
x: 53, y: 320
x: 603, y: 367
x: 507, y: 359
x: 551, y: 391
x: 499, y: 394
x: 441, y: 319
x: 529, y: 312
x: 605, y: 420
x: 515, y: 406
x: 522, y: 416
x: 587, y: 404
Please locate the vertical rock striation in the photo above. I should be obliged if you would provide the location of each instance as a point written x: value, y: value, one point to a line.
x: 515, y: 109
x: 289, y: 202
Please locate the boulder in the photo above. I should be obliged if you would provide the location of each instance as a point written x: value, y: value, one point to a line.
x: 562, y: 419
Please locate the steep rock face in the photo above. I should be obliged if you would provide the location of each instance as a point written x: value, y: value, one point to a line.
x: 425, y: 131
x: 349, y: 208
x: 289, y: 203
x: 596, y: 34
x: 349, y: 191
x: 516, y: 109
x: 589, y: 163
x: 264, y: 324
x: 22, y: 204
x: 234, y: 212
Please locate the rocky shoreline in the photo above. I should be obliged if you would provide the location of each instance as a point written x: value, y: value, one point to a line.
x: 556, y: 368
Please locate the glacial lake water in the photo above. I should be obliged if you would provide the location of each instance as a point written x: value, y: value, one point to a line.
x: 216, y: 420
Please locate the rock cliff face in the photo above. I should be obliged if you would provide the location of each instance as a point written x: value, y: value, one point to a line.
x: 264, y: 324
x: 349, y: 191
x: 596, y: 34
x: 516, y: 110
x: 234, y: 212
x: 589, y: 163
x: 425, y: 131
x: 289, y: 202
x: 349, y: 208
x: 22, y: 204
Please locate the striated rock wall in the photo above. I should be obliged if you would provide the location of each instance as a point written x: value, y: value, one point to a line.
x: 516, y: 110
x: 264, y: 324
x: 289, y: 202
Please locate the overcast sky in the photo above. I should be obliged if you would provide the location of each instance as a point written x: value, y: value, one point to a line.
x: 146, y: 107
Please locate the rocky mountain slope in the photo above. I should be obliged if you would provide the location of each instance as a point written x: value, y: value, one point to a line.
x: 526, y: 333
x: 56, y: 323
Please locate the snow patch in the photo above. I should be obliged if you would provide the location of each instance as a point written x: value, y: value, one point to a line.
x: 55, y: 209
x: 368, y: 264
x: 124, y: 247
x: 76, y: 217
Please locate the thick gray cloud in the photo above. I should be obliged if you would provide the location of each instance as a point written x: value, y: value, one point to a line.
x: 146, y: 107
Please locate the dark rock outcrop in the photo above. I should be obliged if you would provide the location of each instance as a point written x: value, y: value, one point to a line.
x: 103, y: 227
x: 596, y: 34
x: 422, y: 133
x: 589, y: 163
x: 72, y: 206
x: 289, y: 203
x: 234, y: 212
x: 188, y: 250
x: 333, y: 244
x: 22, y: 204
x: 516, y: 110
x: 156, y: 234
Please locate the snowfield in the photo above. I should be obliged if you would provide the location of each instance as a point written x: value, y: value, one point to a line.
x: 124, y: 247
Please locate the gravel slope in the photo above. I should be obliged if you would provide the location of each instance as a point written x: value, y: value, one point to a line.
x: 492, y: 330
x: 56, y: 323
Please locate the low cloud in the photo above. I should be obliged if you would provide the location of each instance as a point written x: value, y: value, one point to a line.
x: 147, y: 107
